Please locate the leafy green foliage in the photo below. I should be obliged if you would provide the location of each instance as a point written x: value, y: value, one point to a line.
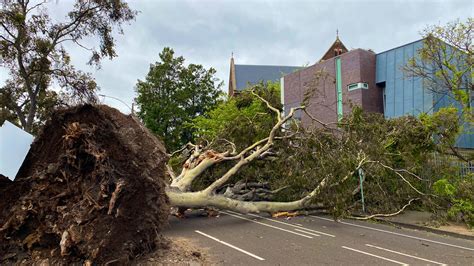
x: 443, y: 188
x: 445, y: 122
x: 388, y: 151
x: 32, y: 48
x: 243, y: 119
x: 456, y: 195
x: 335, y: 153
x: 303, y: 162
x: 173, y: 94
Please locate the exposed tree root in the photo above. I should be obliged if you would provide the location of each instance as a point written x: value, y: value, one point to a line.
x: 91, y: 190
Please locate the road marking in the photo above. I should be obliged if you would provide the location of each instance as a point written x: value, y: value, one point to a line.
x: 311, y: 234
x: 297, y: 226
x: 403, y: 254
x: 293, y: 225
x: 326, y: 219
x: 373, y: 255
x: 398, y: 234
x: 243, y: 218
x: 230, y: 245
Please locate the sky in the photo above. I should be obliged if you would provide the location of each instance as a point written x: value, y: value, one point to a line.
x: 291, y: 32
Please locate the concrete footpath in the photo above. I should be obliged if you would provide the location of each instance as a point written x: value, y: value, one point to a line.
x: 422, y: 220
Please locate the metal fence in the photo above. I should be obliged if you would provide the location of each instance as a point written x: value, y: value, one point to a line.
x: 464, y: 168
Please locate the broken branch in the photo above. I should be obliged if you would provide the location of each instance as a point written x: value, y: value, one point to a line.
x: 385, y: 215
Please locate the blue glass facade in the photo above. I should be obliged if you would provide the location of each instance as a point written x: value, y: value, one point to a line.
x: 402, y: 95
x: 405, y: 95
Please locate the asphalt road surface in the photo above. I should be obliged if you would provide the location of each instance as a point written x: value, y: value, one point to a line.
x: 236, y: 239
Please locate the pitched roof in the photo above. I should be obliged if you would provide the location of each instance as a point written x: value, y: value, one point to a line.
x: 337, y: 48
x: 253, y: 74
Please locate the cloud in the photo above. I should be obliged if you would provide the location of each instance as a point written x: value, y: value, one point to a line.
x: 291, y: 32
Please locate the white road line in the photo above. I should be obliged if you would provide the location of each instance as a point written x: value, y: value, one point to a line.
x: 398, y: 234
x: 230, y: 245
x: 322, y: 218
x: 243, y: 218
x: 403, y: 254
x: 311, y: 234
x: 294, y: 225
x: 373, y: 255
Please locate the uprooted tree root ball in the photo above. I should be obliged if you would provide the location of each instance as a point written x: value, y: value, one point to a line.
x: 91, y: 189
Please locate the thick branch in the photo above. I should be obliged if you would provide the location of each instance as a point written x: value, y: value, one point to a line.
x: 256, y: 154
x: 201, y: 199
x: 191, y: 172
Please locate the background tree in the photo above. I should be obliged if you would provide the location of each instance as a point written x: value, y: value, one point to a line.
x: 243, y: 119
x: 173, y: 94
x: 446, y: 60
x: 32, y: 49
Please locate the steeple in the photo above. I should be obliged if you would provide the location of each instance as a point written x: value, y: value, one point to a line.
x: 232, y: 81
x: 336, y: 49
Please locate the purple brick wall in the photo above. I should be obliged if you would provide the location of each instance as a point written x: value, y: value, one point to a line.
x: 356, y: 66
x: 372, y: 99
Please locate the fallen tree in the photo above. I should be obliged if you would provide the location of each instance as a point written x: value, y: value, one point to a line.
x: 201, y: 158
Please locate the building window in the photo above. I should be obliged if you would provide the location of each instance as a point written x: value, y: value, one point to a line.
x: 359, y: 85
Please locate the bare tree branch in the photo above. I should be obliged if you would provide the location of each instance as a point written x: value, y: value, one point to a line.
x: 385, y: 215
x: 400, y: 175
x: 268, y: 105
x: 245, y: 160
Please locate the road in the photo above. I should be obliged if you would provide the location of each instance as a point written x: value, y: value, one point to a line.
x: 236, y: 239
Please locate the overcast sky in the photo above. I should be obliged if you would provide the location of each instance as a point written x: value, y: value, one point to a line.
x: 292, y: 32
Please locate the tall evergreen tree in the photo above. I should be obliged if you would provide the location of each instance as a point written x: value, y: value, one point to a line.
x: 173, y: 94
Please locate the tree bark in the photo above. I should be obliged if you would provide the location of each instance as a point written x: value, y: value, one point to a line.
x: 201, y: 200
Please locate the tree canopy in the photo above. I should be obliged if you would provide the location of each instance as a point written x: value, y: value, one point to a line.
x: 172, y: 94
x: 32, y: 48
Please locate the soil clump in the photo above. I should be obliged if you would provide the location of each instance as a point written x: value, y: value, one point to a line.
x: 91, y: 190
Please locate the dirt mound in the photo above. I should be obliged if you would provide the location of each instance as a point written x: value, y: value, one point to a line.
x: 91, y: 188
x: 4, y: 182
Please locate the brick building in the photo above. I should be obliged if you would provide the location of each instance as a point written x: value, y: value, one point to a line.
x: 342, y: 78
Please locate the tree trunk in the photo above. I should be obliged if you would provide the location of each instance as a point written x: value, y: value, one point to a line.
x: 201, y: 200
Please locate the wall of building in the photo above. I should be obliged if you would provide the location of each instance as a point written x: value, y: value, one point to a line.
x: 404, y: 95
x: 323, y: 102
x: 356, y: 66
